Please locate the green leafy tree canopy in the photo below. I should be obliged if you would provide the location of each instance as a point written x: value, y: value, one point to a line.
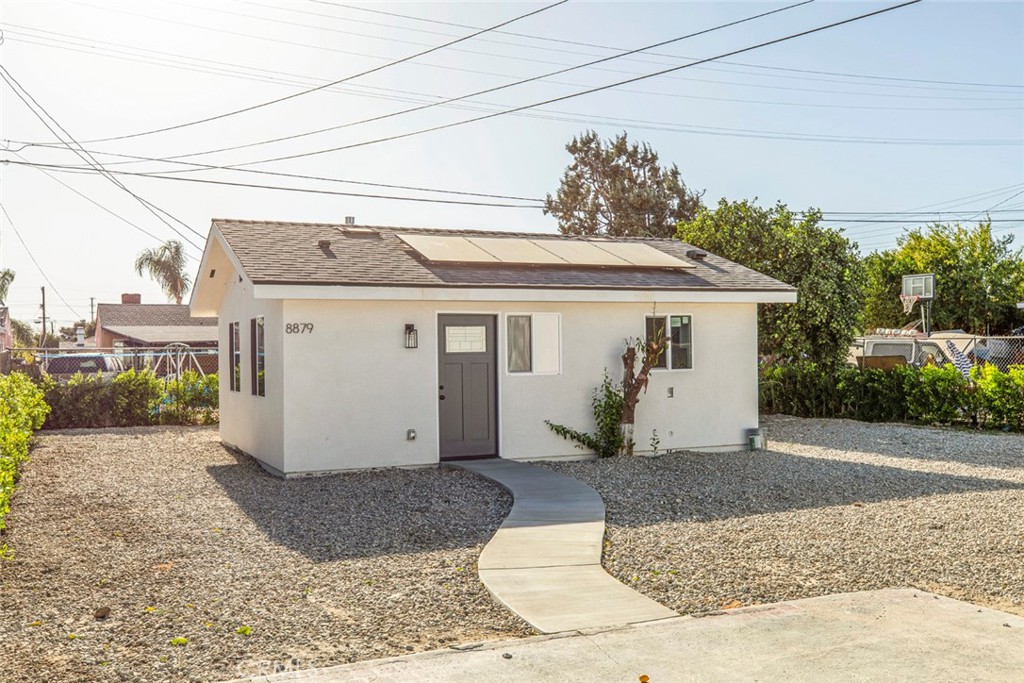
x: 166, y: 264
x: 619, y: 189
x: 979, y: 278
x: 820, y: 262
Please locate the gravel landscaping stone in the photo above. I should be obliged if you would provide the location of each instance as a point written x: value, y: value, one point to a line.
x: 127, y: 541
x: 831, y: 506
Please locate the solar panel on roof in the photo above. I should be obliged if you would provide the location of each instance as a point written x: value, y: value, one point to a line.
x: 645, y: 255
x: 522, y: 251
x: 579, y: 253
x: 511, y: 250
x: 445, y: 248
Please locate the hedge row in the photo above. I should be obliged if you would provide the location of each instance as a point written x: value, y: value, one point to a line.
x: 22, y: 411
x: 131, y: 399
x: 931, y: 394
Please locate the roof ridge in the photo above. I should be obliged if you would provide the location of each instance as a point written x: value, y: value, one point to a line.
x: 408, y: 228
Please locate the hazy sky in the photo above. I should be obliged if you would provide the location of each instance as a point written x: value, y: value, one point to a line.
x: 853, y: 139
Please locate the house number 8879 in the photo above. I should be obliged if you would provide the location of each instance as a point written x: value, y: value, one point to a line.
x: 298, y: 328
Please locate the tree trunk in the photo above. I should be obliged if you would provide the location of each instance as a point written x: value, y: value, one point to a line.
x: 626, y: 430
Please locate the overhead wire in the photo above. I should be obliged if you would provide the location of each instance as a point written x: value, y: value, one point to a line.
x: 485, y: 91
x: 339, y: 81
x: 29, y: 101
x: 31, y: 256
x: 374, y: 10
x: 209, y: 181
x: 589, y: 91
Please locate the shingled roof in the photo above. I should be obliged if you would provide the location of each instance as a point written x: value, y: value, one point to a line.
x: 290, y: 253
x: 149, y: 315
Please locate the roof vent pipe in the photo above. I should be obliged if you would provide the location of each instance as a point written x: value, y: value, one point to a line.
x: 324, y: 244
x: 350, y: 220
x: 696, y: 254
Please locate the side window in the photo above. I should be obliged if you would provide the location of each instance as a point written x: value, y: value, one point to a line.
x: 680, y: 342
x: 656, y: 330
x: 677, y: 330
x: 534, y: 344
x: 235, y: 356
x: 259, y: 387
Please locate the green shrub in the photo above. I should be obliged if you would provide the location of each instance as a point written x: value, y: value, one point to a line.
x: 82, y: 401
x: 939, y: 395
x: 136, y: 396
x: 191, y: 399
x: 1001, y: 394
x: 131, y: 399
x: 607, y: 405
x: 22, y: 411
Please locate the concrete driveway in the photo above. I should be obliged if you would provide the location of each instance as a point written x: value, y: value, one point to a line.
x: 885, y: 635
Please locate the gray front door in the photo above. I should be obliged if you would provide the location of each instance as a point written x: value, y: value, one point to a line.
x: 467, y: 387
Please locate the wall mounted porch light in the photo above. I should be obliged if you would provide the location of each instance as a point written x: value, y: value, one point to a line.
x: 412, y: 337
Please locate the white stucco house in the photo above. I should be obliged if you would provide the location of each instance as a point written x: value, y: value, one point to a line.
x: 347, y: 347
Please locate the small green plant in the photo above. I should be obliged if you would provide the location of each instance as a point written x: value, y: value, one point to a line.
x: 244, y: 630
x: 179, y: 641
x: 655, y: 441
x: 607, y: 406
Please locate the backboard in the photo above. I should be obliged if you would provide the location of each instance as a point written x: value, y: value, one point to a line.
x: 922, y: 285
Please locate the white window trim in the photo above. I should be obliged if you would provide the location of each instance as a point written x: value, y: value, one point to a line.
x: 533, y: 344
x: 693, y: 345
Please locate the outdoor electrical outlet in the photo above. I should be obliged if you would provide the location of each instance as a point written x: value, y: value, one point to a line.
x: 410, y: 435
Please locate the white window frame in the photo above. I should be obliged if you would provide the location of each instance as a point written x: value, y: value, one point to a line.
x: 667, y: 354
x: 533, y: 343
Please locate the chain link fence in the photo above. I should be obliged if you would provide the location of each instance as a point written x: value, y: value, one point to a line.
x: 165, y: 361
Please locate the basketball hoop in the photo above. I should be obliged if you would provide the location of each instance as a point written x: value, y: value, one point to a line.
x: 908, y: 301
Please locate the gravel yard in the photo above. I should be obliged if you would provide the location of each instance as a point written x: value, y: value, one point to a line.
x: 832, y: 506
x: 181, y: 538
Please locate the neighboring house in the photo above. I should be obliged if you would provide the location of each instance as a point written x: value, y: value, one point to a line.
x: 351, y: 347
x: 6, y: 332
x: 133, y: 324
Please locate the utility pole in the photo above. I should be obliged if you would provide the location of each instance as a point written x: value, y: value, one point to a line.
x: 42, y: 337
x: 92, y: 302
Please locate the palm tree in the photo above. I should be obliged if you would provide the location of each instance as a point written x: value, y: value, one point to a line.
x: 6, y: 278
x: 166, y: 265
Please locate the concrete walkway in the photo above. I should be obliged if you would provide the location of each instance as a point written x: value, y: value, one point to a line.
x: 544, y: 562
x: 888, y: 635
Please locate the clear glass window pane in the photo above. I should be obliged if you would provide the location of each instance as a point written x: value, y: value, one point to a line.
x: 520, y: 358
x: 465, y: 339
x: 236, y: 357
x: 261, y: 367
x: 680, y: 342
x: 655, y: 331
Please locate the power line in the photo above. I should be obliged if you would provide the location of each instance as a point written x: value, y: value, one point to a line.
x: 22, y: 94
x: 33, y: 258
x: 607, y: 47
x: 100, y: 206
x: 336, y: 82
x: 207, y: 181
x: 92, y: 43
x: 485, y: 91
x: 595, y: 89
x: 301, y: 176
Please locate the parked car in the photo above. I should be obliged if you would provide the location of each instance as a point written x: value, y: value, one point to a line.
x: 913, y: 350
x: 64, y: 366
